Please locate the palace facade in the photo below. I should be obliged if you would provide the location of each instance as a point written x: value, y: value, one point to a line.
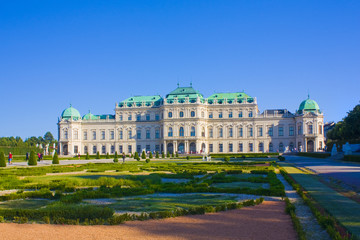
x: 186, y: 122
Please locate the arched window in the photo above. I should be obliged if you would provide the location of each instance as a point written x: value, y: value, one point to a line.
x: 261, y: 147
x: 202, y: 114
x: 271, y: 147
x: 211, y: 133
x: 181, y: 114
x: 281, y: 147
x: 170, y: 132
x: 181, y: 132
x: 192, y: 114
x: 76, y: 134
x: 66, y: 134
x: 103, y: 149
x: 203, y: 132
x: 220, y: 132
x: 94, y: 150
x: 192, y: 133
x: 170, y: 114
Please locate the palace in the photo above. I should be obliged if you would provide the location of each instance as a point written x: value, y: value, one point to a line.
x: 186, y: 122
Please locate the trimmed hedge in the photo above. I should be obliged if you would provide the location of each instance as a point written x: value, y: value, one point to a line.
x: 315, y: 155
x: 19, y: 150
x: 242, y: 155
x: 352, y: 158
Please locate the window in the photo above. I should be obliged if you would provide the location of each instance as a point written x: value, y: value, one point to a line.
x: 121, y: 134
x: 202, y: 114
x: 241, y: 133
x: 250, y: 131
x: 261, y: 147
x: 260, y: 132
x: 129, y: 117
x: 148, y: 134
x: 220, y: 132
x: 211, y: 115
x: 76, y: 135
x: 103, y: 149
x: 94, y: 150
x: 138, y: 148
x: 250, y: 114
x: 230, y: 147
x: 111, y: 135
x: 241, y: 147
x: 112, y: 149
x: 320, y: 130
x: 138, y: 134
x: 192, y: 133
x: 157, y: 117
x: 181, y: 132
x: 170, y: 114
x: 66, y: 134
x: 220, y: 147
x: 271, y: 147
x: 130, y: 134
x: 120, y: 149
x: 251, y: 148
x: 230, y: 114
x: 230, y: 132
x: 299, y: 130
x: 94, y: 135
x: 220, y: 115
x: 192, y: 114
x: 129, y: 148
x: 85, y: 135
x: 291, y: 131
x: 147, y: 117
x: 157, y: 133
x: 271, y: 131
x: 240, y: 115
x: 138, y: 117
x: 75, y: 149
x: 211, y: 133
x: 281, y: 147
x: 291, y: 146
x: 310, y: 129
x: 120, y: 117
x: 157, y: 148
x: 203, y: 132
x: 170, y: 132
x: 147, y: 147
x: 211, y: 148
x: 181, y: 114
x: 281, y: 131
x: 85, y: 149
x: 102, y: 135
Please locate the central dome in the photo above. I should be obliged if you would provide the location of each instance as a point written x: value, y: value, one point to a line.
x: 71, y: 113
x: 308, y: 105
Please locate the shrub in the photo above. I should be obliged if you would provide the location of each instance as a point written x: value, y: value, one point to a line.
x: 177, y: 154
x: 187, y: 157
x: 136, y: 155
x: 32, y: 159
x: 55, y: 158
x: 107, y: 156
x: 162, y: 155
x: 2, y: 219
x: 87, y: 156
x: 150, y: 155
x: 315, y: 155
x: 172, y: 154
x: 143, y: 155
x: 168, y: 155
x: 116, y: 157
x: 147, y: 160
x: 157, y: 155
x: 226, y: 159
x: 281, y: 158
x: 352, y: 158
x: 2, y: 160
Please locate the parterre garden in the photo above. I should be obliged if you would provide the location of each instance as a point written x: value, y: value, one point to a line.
x: 105, y: 193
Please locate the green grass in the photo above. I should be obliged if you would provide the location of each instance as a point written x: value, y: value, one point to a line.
x: 241, y: 185
x: 346, y: 211
x: 25, y: 203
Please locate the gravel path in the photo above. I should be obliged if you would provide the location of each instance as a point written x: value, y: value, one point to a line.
x: 308, y: 221
x: 265, y: 221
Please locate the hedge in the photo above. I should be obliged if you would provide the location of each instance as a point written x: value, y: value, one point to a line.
x: 239, y: 155
x: 19, y: 150
x: 352, y: 158
x: 315, y: 155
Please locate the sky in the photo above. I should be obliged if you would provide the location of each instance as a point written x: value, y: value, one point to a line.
x: 92, y: 54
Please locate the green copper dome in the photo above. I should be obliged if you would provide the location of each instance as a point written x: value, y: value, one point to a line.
x: 308, y: 105
x: 71, y: 112
x: 90, y: 116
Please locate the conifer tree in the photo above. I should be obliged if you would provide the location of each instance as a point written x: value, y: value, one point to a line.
x: 107, y: 156
x: 32, y: 159
x: 97, y: 155
x: 55, y: 158
x: 116, y: 157
x: 87, y: 156
x: 157, y: 154
x: 136, y: 155
x: 143, y: 155
x: 150, y: 155
x: 162, y: 155
x: 2, y: 160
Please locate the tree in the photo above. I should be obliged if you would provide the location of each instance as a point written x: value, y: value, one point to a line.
x: 177, y: 154
x: 172, y: 154
x: 2, y: 160
x: 150, y: 155
x: 136, y: 155
x: 48, y: 137
x: 107, y: 156
x: 168, y: 155
x: 116, y: 157
x: 143, y: 155
x: 162, y: 155
x: 97, y: 155
x: 157, y: 154
x: 55, y: 158
x: 349, y: 128
x: 87, y: 156
x: 32, y: 159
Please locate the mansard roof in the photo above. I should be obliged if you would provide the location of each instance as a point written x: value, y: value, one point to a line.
x: 139, y: 100
x: 239, y: 96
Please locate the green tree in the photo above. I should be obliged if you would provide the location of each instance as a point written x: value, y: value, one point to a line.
x: 143, y: 155
x: 116, y: 157
x: 136, y: 155
x: 349, y: 128
x: 167, y: 155
x: 172, y: 154
x: 162, y: 155
x: 107, y: 156
x: 157, y: 154
x: 87, y: 156
x: 97, y: 155
x: 32, y: 159
x: 2, y: 160
x: 150, y: 155
x: 48, y: 137
x: 55, y: 158
x: 177, y: 155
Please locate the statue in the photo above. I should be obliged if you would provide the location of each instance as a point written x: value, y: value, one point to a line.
x: 334, y: 150
x: 347, y: 149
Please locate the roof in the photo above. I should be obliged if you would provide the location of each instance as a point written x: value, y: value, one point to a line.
x: 239, y: 96
x: 70, y: 112
x: 138, y: 100
x: 180, y: 93
x: 308, y: 105
x: 89, y: 116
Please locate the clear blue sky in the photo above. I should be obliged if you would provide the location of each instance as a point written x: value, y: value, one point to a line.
x: 95, y: 53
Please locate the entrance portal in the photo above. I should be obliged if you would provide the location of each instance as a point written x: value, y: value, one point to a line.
x: 192, y: 147
x: 181, y: 148
x: 310, y: 146
x: 170, y: 148
x: 65, y: 149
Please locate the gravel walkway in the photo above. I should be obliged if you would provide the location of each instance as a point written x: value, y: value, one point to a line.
x: 308, y: 221
x: 266, y: 221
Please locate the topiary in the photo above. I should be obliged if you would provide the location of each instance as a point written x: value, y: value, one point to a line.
x: 227, y: 159
x: 55, y: 158
x: 32, y: 159
x: 2, y: 160
x: 143, y: 155
x: 116, y: 157
x: 157, y: 155
x: 107, y: 156
x: 172, y: 154
x: 136, y: 155
x: 147, y: 160
x: 168, y: 155
x: 150, y: 155
x: 188, y: 157
x: 162, y: 155
x: 177, y: 155
x: 87, y: 156
x: 97, y: 155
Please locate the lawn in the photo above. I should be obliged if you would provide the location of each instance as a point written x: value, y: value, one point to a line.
x: 25, y: 203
